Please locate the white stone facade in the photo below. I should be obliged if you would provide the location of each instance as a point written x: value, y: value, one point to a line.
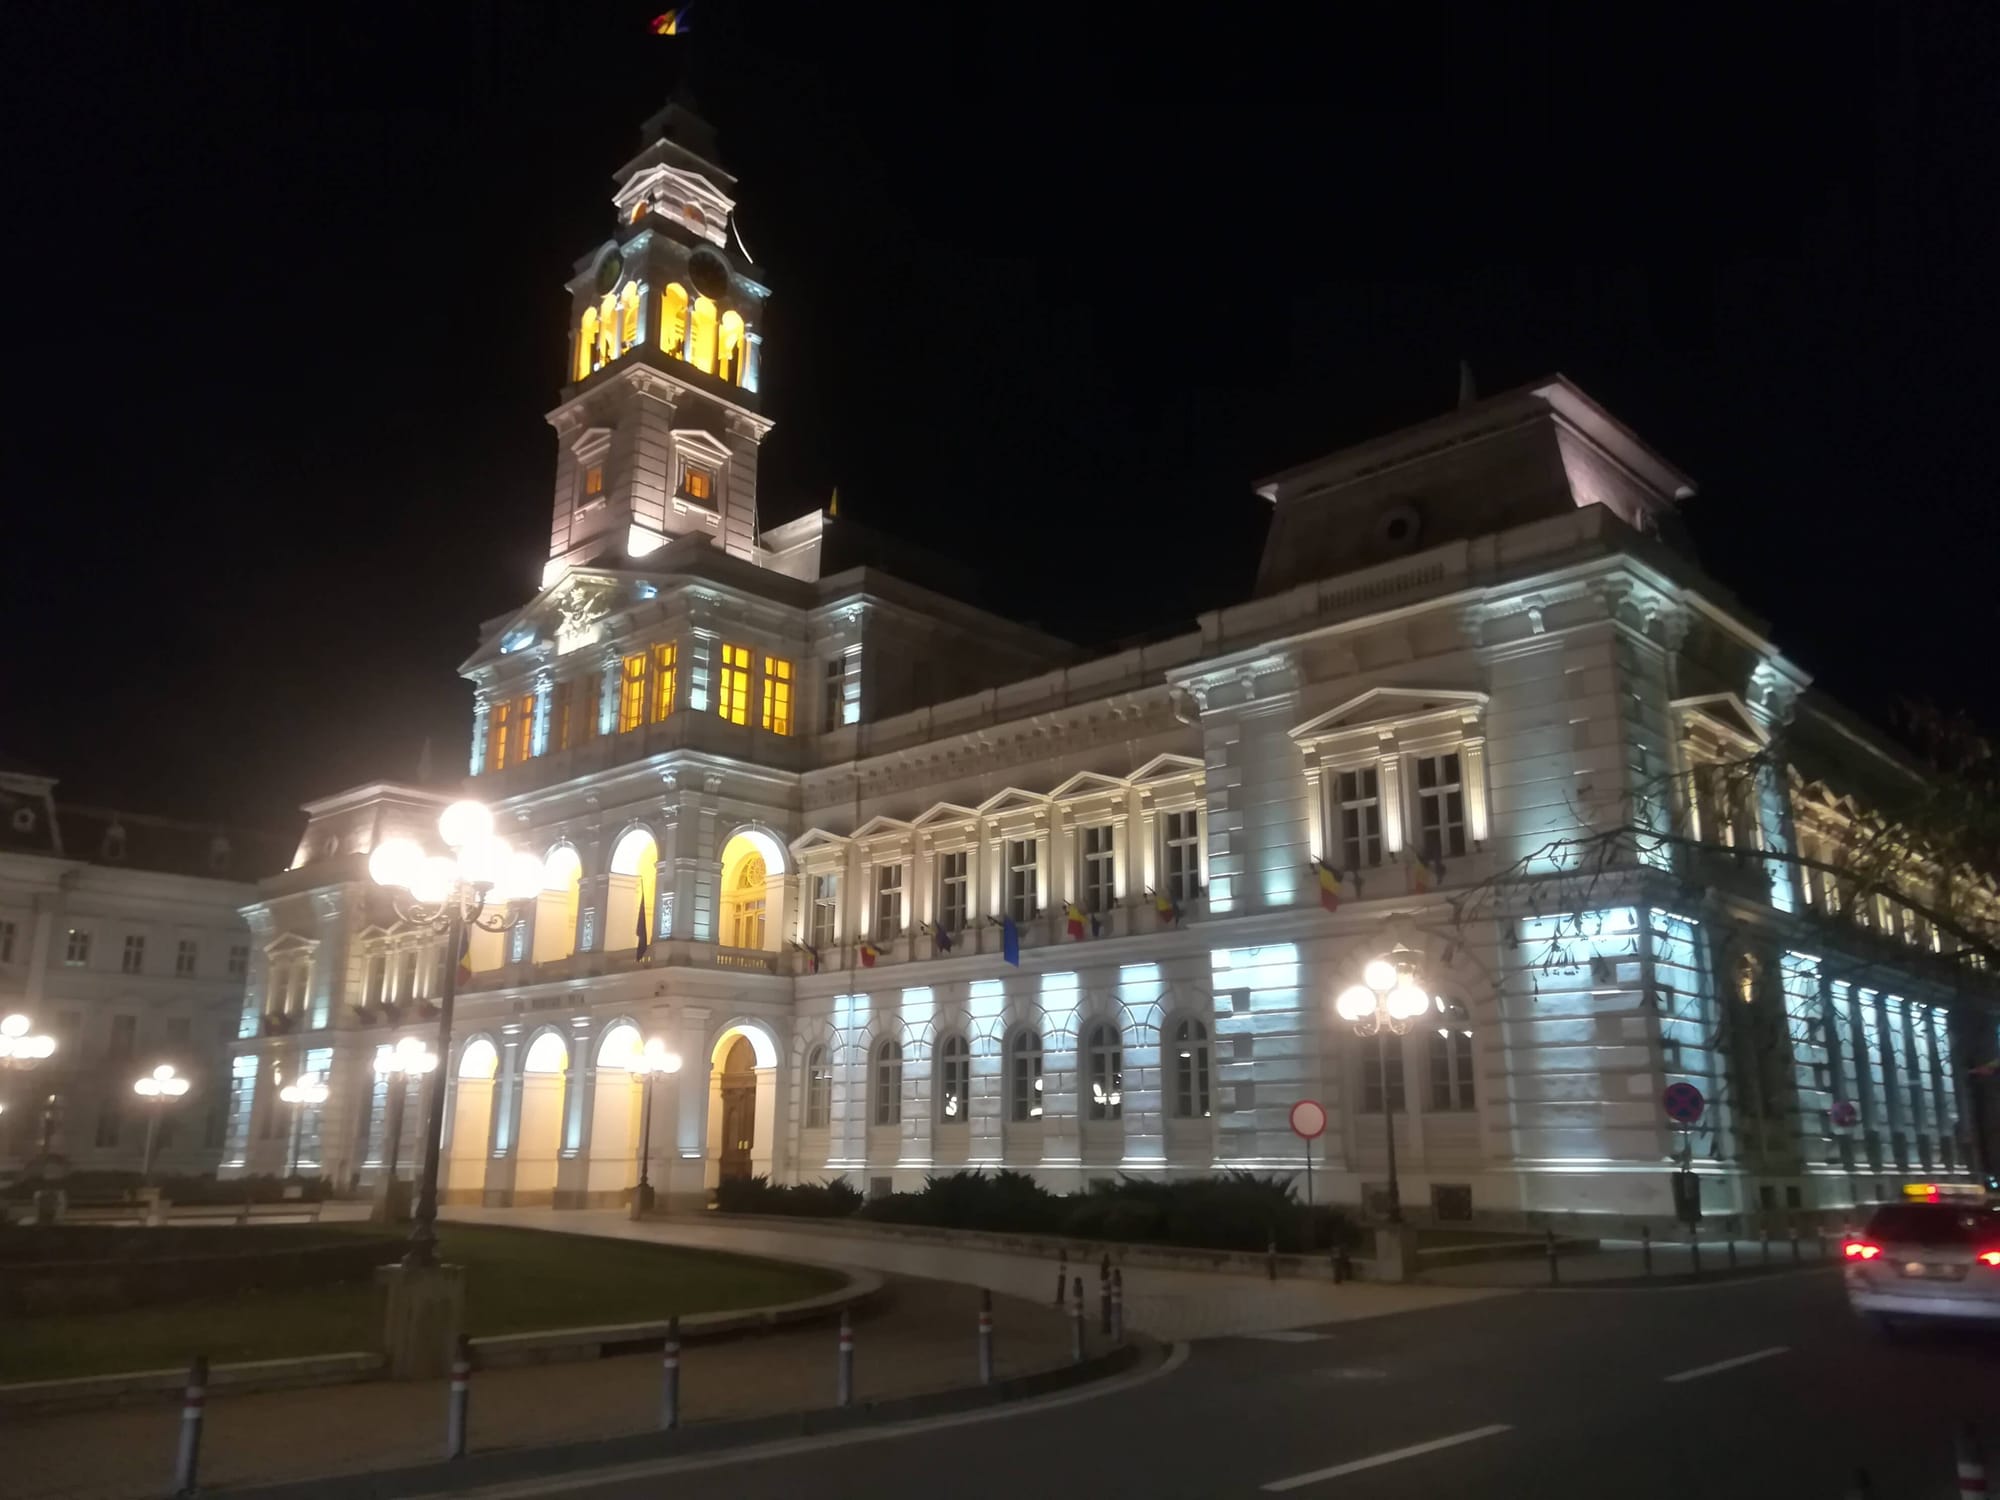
x: 792, y: 771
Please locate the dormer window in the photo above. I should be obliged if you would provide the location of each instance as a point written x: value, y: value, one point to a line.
x: 593, y: 482
x: 640, y: 210
x: 698, y: 484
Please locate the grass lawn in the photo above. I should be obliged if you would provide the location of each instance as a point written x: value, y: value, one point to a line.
x: 516, y: 1280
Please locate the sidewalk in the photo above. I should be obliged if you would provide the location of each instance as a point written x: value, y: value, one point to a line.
x: 1621, y: 1263
x: 918, y: 1337
x: 1170, y: 1305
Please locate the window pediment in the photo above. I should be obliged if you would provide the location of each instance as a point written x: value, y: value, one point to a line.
x: 943, y: 815
x: 1013, y: 802
x: 1087, y: 784
x: 1393, y: 710
x: 1726, y: 718
x: 817, y: 841
x: 1169, y: 767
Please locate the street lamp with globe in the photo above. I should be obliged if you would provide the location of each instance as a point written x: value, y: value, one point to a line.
x: 406, y: 1062
x: 158, y: 1088
x: 1387, y: 999
x: 648, y: 1060
x: 21, y: 1046
x: 307, y: 1088
x: 450, y: 894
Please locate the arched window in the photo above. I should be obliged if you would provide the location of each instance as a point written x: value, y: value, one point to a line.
x: 954, y: 1081
x: 701, y: 335
x: 1107, y: 1073
x: 1451, y: 1069
x: 673, y: 318
x: 744, y: 904
x: 1190, y: 1046
x: 586, y: 342
x: 729, y: 350
x: 889, y: 1083
x: 607, y: 329
x: 479, y: 1059
x: 1024, y: 1076
x: 628, y: 316
x: 819, y: 1089
x: 546, y: 1054
x: 640, y: 210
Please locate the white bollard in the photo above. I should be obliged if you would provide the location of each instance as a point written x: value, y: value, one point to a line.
x: 1971, y: 1464
x: 844, y: 1383
x: 670, y: 1377
x: 985, y: 1338
x: 187, y: 1464
x: 460, y: 1400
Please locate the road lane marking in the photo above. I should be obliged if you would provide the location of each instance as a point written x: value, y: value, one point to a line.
x: 1727, y: 1364
x: 1395, y: 1455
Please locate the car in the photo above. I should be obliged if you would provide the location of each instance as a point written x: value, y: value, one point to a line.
x: 1925, y: 1261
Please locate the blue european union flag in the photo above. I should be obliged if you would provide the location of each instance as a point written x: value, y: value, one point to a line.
x: 1010, y: 942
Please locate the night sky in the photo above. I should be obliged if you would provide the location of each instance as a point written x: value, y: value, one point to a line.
x: 1053, y: 286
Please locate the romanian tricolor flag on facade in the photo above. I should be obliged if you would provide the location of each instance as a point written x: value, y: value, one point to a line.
x: 670, y: 22
x: 1169, y: 910
x: 869, y: 953
x: 1074, y: 914
x: 1331, y: 886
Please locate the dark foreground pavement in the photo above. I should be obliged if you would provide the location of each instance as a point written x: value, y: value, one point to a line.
x: 1764, y: 1388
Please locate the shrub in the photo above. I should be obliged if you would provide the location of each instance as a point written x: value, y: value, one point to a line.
x: 1004, y: 1202
x: 97, y: 1185
x: 806, y: 1200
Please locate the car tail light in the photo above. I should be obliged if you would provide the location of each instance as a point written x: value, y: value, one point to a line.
x: 1860, y: 1250
x: 1989, y: 1257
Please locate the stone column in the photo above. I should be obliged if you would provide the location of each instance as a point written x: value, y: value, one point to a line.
x: 687, y: 1186
x: 504, y: 1120
x: 579, y: 1114
x: 481, y: 706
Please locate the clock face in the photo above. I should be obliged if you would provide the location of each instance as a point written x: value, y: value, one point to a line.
x: 710, y: 274
x: 609, y: 270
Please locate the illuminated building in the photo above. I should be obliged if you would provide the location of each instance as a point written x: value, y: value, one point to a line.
x: 784, y: 768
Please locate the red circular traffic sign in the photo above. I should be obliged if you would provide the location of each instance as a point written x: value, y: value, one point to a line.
x: 1308, y: 1120
x: 1683, y: 1103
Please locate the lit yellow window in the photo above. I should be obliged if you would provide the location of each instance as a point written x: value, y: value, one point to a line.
x: 729, y: 348
x: 698, y: 484
x: 593, y: 480
x: 640, y: 210
x: 663, y: 681
x: 732, y: 699
x: 628, y: 316
x: 673, y: 317
x: 496, y: 737
x: 586, y: 342
x: 562, y: 711
x: 701, y: 336
x: 777, y: 695
x: 607, y: 329
x: 524, y: 728
x: 632, y: 694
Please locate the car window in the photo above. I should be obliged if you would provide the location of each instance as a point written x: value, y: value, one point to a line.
x: 1934, y: 1224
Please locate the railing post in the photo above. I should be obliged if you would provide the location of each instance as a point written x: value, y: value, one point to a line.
x: 456, y: 1409
x: 985, y: 1337
x: 1076, y: 1325
x: 670, y: 1376
x: 844, y: 1380
x: 194, y: 1406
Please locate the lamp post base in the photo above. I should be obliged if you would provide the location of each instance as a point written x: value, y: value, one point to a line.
x: 1395, y: 1252
x: 642, y: 1200
x: 423, y: 1309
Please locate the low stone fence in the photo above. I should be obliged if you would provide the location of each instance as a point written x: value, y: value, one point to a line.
x: 92, y: 1268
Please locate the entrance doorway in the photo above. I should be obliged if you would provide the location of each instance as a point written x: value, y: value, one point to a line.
x: 739, y: 1110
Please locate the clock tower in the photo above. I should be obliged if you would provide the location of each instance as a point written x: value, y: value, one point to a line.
x: 660, y: 421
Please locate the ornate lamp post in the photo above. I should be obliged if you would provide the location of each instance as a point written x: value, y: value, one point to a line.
x: 22, y: 1046
x: 158, y: 1088
x: 652, y: 1058
x: 449, y: 894
x: 397, y: 1065
x: 301, y: 1091
x: 1387, y: 999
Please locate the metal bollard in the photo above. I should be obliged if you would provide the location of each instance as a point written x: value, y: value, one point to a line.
x: 670, y: 1377
x: 1971, y: 1463
x: 1118, y: 1307
x: 1646, y: 1249
x: 187, y: 1463
x: 1792, y: 1230
x: 1764, y: 1245
x: 985, y: 1337
x: 1062, y: 1275
x: 1555, y: 1273
x: 843, y: 1393
x: 1076, y: 1326
x: 1732, y: 1249
x: 1104, y: 1270
x: 1271, y: 1260
x: 460, y: 1399
x: 1104, y: 1307
x: 1694, y: 1249
x: 1343, y: 1265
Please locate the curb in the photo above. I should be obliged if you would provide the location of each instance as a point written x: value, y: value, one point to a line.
x: 128, y: 1387
x: 511, y: 1465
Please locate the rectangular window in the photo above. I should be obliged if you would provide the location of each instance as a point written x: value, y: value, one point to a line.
x: 825, y: 907
x: 777, y: 695
x: 8, y: 932
x: 133, y: 959
x: 732, y: 699
x: 124, y: 1036
x: 524, y: 727
x: 1440, y: 806
x: 833, y: 696
x: 178, y: 1031
x: 497, y: 738
x: 1023, y: 899
x: 1100, y: 869
x: 109, y: 1124
x: 76, y: 951
x: 1451, y: 1069
x: 666, y: 676
x: 239, y: 960
x: 632, y: 693
x: 590, y: 693
x: 888, y: 900
x: 1382, y: 1073
x: 593, y: 481
x: 954, y: 888
x: 562, y: 704
x: 698, y: 484
x: 1359, y: 797
x: 185, y: 954
x: 1180, y: 840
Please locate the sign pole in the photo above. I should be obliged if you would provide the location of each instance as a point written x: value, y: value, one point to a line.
x: 1309, y: 1174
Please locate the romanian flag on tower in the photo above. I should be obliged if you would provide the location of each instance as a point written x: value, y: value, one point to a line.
x: 671, y: 22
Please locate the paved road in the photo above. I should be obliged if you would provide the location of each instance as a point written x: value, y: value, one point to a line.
x: 1754, y: 1389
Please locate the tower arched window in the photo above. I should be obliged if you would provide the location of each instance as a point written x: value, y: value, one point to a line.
x: 586, y: 342
x: 674, y: 318
x: 701, y: 335
x: 744, y: 903
x: 628, y: 316
x: 607, y: 329
x: 819, y: 1089
x: 729, y: 348
x: 889, y: 1083
x: 1024, y: 1077
x: 1107, y: 1073
x: 1190, y: 1068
